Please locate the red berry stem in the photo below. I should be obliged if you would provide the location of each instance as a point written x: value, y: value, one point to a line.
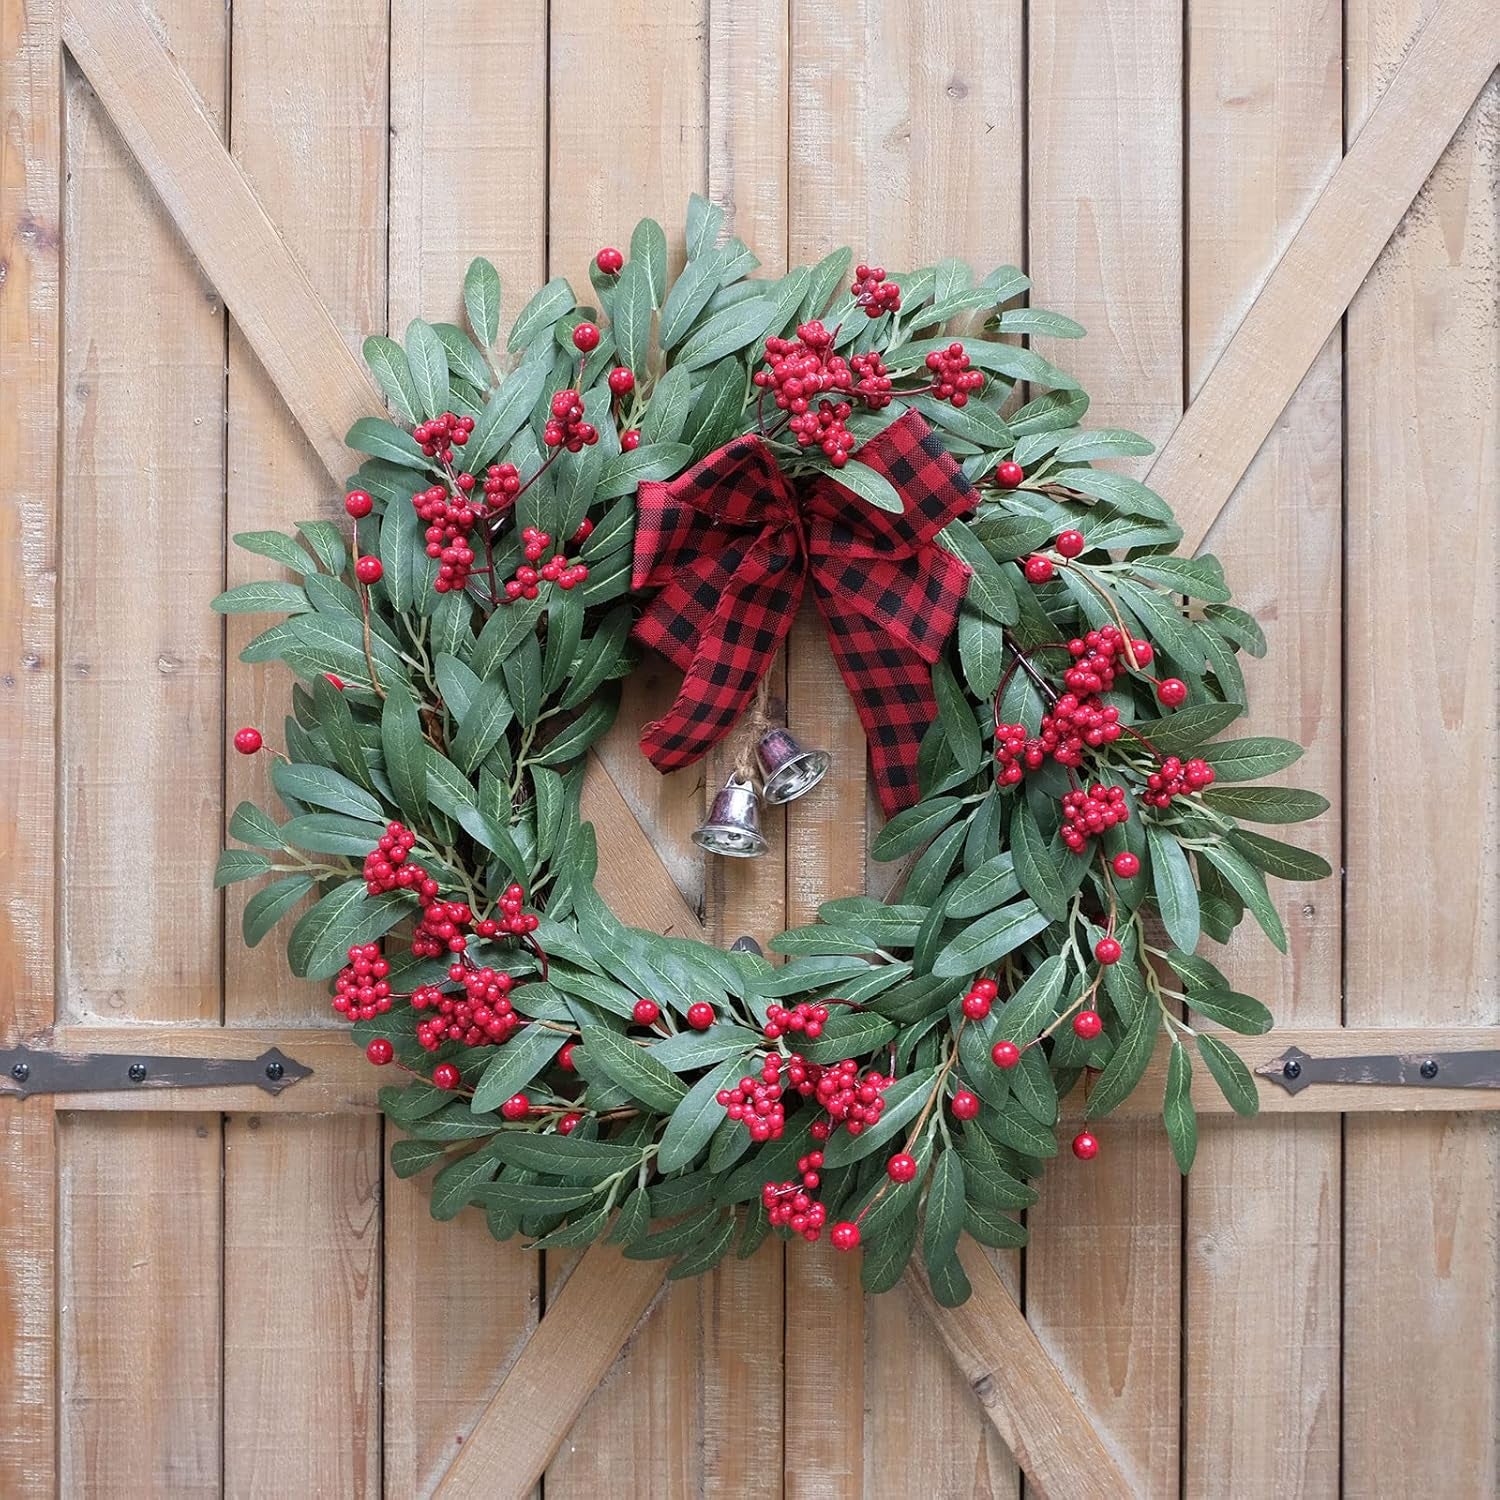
x: 364, y: 605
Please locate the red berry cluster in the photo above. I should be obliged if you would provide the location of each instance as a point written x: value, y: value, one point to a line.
x: 440, y: 436
x: 566, y: 427
x: 441, y: 929
x: 386, y: 867
x: 873, y: 385
x: 952, y: 377
x: 1010, y: 747
x: 1094, y: 669
x: 1174, y: 779
x: 450, y: 519
x: 851, y: 1098
x: 362, y: 990
x: 826, y: 426
x: 514, y: 919
x: 1089, y: 813
x: 757, y: 1101
x: 806, y: 1018
x: 557, y: 569
x: 1073, y: 724
x: 790, y: 1205
x: 482, y: 1016
x: 873, y: 292
x: 800, y: 370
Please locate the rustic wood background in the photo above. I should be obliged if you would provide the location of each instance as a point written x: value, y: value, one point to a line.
x: 252, y: 1304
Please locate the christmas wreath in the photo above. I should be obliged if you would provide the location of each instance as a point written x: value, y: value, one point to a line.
x: 1040, y: 679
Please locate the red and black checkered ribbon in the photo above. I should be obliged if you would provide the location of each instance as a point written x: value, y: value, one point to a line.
x: 729, y: 545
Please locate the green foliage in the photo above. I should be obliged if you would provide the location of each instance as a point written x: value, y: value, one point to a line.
x: 468, y: 719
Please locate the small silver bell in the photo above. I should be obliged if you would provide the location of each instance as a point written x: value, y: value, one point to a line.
x: 786, y: 768
x: 733, y: 824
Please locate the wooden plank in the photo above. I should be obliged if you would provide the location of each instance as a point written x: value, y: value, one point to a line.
x: 482, y: 148
x: 141, y: 715
x: 1105, y: 216
x: 1388, y: 161
x: 628, y: 138
x: 302, y: 1328
x: 343, y: 1083
x: 595, y: 1311
x: 906, y: 134
x: 744, y: 1300
x: 1018, y: 1387
x: 1422, y: 1198
x: 276, y: 309
x: 1261, y: 1329
x: 30, y: 363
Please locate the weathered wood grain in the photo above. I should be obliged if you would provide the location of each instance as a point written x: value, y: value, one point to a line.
x: 1261, y: 1417
x: 1018, y: 1387
x: 31, y: 93
x: 1105, y: 217
x: 466, y: 178
x: 1388, y: 159
x: 595, y: 1310
x: 1422, y: 1198
x: 302, y: 1333
x: 140, y: 719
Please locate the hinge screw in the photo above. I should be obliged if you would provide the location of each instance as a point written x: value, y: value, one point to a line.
x: 1292, y: 1069
x: 21, y: 1072
x: 1429, y: 1069
x: 274, y: 1071
x: 137, y: 1072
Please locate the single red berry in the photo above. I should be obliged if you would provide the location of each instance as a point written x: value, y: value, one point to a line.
x: 621, y: 381
x: 1038, y: 568
x: 902, y: 1167
x: 585, y: 337
x: 609, y: 260
x: 565, y: 1057
x: 965, y: 1105
x: 517, y: 1107
x: 247, y: 741
x: 1107, y: 951
x: 1010, y: 474
x: 368, y: 570
x: 1085, y: 1146
x: 358, y: 504
x: 700, y: 1016
x: 1070, y: 543
x: 976, y: 1005
x: 445, y: 1076
x: 380, y: 1051
x: 845, y: 1236
x: 1087, y: 1024
x: 630, y: 439
x: 646, y: 1012
x: 1172, y: 692
x: 1126, y: 865
x: 1005, y: 1054
x: 569, y: 1122
x: 986, y: 987
x: 1143, y: 653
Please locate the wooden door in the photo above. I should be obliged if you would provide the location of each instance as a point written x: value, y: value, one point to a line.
x: 202, y: 210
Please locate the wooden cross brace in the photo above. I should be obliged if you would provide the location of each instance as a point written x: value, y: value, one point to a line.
x: 293, y: 334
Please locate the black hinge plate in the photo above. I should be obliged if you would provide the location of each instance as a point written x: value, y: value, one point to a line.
x: 1296, y: 1070
x: 29, y: 1070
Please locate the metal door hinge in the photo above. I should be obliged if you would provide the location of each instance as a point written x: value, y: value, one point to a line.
x: 1295, y: 1070
x: 30, y: 1070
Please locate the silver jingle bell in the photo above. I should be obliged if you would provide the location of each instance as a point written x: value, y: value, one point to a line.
x: 733, y: 823
x: 788, y: 770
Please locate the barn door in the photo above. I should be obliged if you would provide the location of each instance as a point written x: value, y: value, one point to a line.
x: 221, y: 1288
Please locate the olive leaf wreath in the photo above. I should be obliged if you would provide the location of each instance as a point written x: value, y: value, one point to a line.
x: 459, y: 646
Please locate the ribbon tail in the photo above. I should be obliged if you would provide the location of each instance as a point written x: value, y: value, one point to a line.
x: 890, y: 686
x: 733, y: 652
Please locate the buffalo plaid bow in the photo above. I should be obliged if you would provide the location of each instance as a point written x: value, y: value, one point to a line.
x: 729, y: 543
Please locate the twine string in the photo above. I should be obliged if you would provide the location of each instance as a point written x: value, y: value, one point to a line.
x: 755, y: 723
